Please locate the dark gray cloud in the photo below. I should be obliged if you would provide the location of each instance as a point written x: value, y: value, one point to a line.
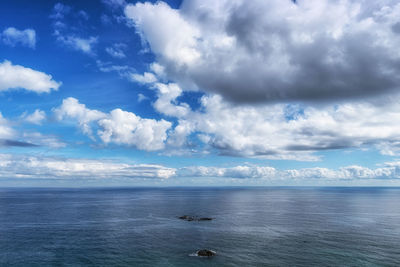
x: 396, y: 28
x: 15, y: 143
x: 266, y: 51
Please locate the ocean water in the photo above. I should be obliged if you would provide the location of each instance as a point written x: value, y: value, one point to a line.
x: 252, y: 227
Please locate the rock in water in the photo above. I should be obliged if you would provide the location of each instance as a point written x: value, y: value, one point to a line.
x: 205, y: 253
x: 187, y: 218
x: 205, y: 219
x: 194, y: 218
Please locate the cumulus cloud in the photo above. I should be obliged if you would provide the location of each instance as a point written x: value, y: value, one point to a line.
x: 19, y: 77
x: 166, y: 102
x: 12, y: 37
x: 71, y: 108
x: 37, y: 117
x: 124, y: 127
x: 24, y: 166
x: 118, y: 126
x: 279, y: 131
x: 275, y: 50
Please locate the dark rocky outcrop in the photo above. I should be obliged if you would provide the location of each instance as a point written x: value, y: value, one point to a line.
x: 186, y: 218
x: 205, y: 253
x: 205, y: 219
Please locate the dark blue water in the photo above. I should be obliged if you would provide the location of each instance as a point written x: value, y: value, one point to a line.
x: 252, y: 227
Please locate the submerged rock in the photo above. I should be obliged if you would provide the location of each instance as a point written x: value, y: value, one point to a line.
x: 194, y: 218
x: 205, y: 253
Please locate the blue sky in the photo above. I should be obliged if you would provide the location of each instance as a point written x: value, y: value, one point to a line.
x: 115, y: 92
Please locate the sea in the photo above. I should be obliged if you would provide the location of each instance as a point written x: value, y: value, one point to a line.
x: 276, y: 226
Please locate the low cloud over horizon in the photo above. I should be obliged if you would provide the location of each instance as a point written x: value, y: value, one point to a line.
x: 281, y: 91
x: 23, y: 167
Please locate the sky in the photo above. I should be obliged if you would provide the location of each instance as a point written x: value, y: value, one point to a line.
x: 200, y: 93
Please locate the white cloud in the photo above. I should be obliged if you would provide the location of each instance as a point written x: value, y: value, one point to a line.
x: 60, y: 11
x: 16, y: 77
x: 117, y: 50
x: 69, y: 36
x: 39, y: 139
x: 122, y: 127
x: 165, y: 40
x: 275, y: 50
x: 71, y: 108
x: 141, y: 97
x: 10, y: 137
x: 146, y: 78
x: 232, y: 172
x: 80, y: 44
x: 23, y: 166
x: 122, y: 70
x: 158, y: 70
x: 12, y: 37
x: 166, y: 102
x: 5, y: 129
x: 46, y: 167
x: 390, y: 170
x: 118, y: 126
x: 280, y: 131
x: 37, y: 117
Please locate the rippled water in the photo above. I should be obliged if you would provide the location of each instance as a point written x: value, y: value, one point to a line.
x: 252, y: 227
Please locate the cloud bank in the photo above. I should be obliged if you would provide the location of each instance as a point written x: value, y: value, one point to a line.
x: 277, y: 131
x: 35, y: 167
x: 39, y: 167
x: 390, y: 170
x: 278, y: 50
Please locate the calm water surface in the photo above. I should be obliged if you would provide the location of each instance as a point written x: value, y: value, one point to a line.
x: 252, y: 227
